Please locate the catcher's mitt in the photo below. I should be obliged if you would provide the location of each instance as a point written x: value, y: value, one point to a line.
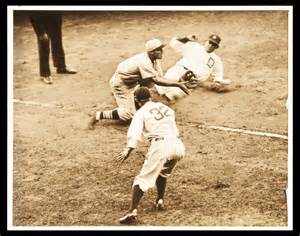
x: 190, y: 78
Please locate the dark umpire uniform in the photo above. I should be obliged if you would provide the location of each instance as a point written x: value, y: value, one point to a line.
x: 48, y: 28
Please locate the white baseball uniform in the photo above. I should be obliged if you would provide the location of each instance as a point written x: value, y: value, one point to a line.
x: 156, y: 122
x: 126, y: 78
x: 196, y: 59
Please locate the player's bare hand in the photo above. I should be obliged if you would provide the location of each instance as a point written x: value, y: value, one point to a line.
x: 126, y: 115
x: 183, y: 87
x: 121, y: 157
x: 192, y: 84
x: 192, y: 37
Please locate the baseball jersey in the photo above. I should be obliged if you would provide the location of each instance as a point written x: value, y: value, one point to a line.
x: 196, y: 59
x: 135, y: 68
x: 153, y: 119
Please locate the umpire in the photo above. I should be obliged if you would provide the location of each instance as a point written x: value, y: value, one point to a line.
x: 47, y: 26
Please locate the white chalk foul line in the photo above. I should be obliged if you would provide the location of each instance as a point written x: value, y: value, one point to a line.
x: 244, y: 131
x: 34, y: 103
x: 37, y: 103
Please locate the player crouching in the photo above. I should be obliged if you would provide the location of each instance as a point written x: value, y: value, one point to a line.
x: 143, y: 69
x: 157, y: 122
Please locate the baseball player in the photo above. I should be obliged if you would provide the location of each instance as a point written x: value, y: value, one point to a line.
x: 199, y: 64
x: 156, y: 122
x: 143, y: 69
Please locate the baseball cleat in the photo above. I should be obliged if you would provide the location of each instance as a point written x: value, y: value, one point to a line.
x: 160, y: 205
x: 92, y: 122
x: 129, y: 218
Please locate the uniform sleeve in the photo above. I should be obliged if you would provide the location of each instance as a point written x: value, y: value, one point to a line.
x: 135, y: 130
x: 218, y: 70
x: 185, y: 49
x: 176, y: 45
x: 158, y: 67
x: 147, y: 71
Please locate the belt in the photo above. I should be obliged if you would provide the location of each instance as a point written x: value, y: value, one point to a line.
x: 156, y: 139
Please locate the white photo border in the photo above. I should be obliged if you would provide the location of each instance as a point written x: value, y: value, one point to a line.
x: 10, y: 24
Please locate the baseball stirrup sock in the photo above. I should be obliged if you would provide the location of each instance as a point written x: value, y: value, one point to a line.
x: 111, y: 115
x: 137, y: 194
x: 161, y: 183
x: 115, y: 114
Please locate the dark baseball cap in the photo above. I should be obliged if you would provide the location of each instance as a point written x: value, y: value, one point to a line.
x: 142, y: 94
x: 215, y: 39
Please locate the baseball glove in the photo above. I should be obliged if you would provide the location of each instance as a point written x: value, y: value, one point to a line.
x: 190, y: 78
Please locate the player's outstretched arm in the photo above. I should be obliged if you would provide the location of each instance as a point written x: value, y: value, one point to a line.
x: 170, y: 83
x: 190, y: 37
x: 121, y: 157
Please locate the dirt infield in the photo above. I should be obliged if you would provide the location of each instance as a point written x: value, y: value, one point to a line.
x: 65, y: 175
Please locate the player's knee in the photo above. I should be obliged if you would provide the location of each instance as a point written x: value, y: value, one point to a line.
x: 124, y: 115
x: 168, y: 168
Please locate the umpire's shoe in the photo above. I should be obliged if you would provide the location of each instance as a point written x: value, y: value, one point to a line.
x: 65, y: 70
x: 47, y: 79
x: 129, y: 218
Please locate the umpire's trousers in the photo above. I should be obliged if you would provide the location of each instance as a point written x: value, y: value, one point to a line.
x: 47, y: 27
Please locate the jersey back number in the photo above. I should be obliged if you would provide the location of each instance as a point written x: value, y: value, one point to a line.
x: 160, y: 112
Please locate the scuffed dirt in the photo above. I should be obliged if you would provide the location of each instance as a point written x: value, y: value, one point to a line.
x: 65, y: 175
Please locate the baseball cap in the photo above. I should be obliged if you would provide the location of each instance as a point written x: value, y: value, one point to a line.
x: 215, y: 39
x: 142, y: 94
x: 153, y: 44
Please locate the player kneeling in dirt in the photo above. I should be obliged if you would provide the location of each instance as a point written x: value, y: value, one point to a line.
x: 143, y: 69
x: 157, y: 122
x: 199, y: 65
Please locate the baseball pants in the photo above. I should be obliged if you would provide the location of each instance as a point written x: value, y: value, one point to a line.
x: 174, y: 74
x: 124, y: 98
x: 161, y: 158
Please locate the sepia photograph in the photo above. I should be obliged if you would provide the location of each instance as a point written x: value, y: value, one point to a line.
x: 150, y: 117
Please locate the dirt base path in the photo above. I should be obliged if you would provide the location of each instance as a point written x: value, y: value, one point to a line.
x: 65, y: 175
